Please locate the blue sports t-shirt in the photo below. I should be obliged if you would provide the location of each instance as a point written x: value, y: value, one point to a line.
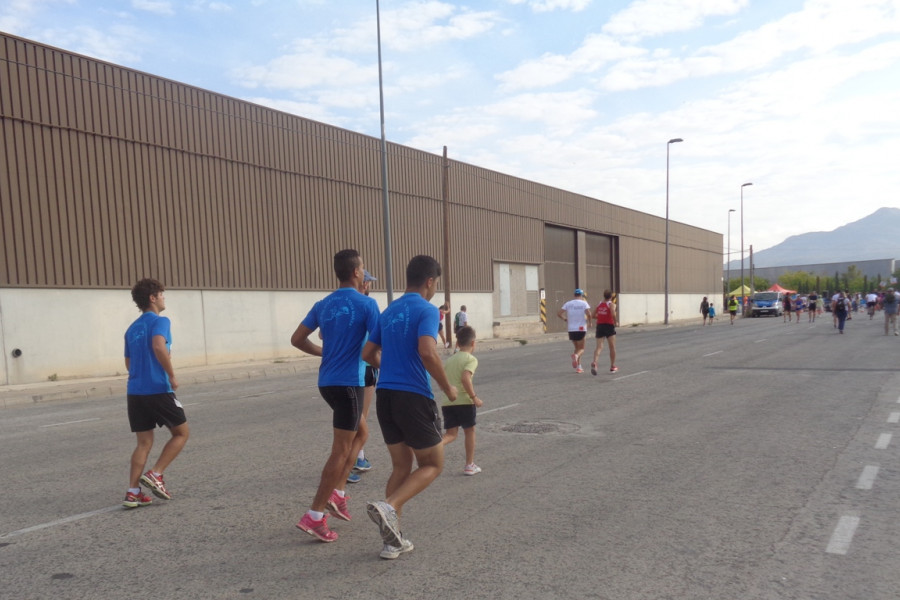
x: 145, y: 375
x: 400, y: 326
x: 346, y: 318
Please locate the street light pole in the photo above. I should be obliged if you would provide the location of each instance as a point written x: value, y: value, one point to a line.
x: 666, y: 301
x: 728, y: 256
x: 385, y: 201
x: 742, y: 246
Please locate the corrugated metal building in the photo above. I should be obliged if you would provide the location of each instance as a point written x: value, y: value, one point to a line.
x: 111, y: 175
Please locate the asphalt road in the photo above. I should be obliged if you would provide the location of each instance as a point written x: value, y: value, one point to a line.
x: 726, y: 462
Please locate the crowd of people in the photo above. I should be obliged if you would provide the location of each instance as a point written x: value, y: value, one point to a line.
x: 391, y: 355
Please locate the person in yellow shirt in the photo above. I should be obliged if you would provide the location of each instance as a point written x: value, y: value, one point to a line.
x: 460, y: 370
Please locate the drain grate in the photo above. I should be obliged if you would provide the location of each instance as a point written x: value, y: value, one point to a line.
x: 540, y: 427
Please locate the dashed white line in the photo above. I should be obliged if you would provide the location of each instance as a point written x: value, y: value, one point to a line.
x: 627, y: 376
x: 69, y: 423
x: 843, y: 535
x: 61, y: 521
x: 761, y: 341
x: 713, y: 353
x: 894, y: 417
x: 867, y: 478
x: 484, y: 412
x: 883, y: 442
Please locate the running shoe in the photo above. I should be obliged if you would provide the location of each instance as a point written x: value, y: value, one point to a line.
x: 317, y: 529
x: 384, y: 515
x: 353, y: 477
x: 156, y: 485
x: 472, y: 469
x: 337, y: 506
x: 593, y: 368
x: 362, y: 464
x: 579, y: 369
x: 389, y: 552
x: 613, y: 369
x: 574, y: 361
x: 135, y: 500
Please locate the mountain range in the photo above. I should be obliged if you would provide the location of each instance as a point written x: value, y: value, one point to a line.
x: 871, y: 238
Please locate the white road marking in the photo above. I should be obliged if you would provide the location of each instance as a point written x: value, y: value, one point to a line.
x: 69, y: 423
x: 632, y: 375
x: 867, y: 478
x: 883, y: 441
x: 760, y: 341
x: 894, y: 417
x: 484, y: 412
x: 93, y: 513
x: 843, y: 535
x: 713, y: 353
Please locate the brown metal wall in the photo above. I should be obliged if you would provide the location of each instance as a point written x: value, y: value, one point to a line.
x: 113, y: 174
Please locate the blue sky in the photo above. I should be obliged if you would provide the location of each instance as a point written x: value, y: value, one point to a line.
x: 798, y: 97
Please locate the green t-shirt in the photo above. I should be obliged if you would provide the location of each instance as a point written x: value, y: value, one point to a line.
x: 454, y: 367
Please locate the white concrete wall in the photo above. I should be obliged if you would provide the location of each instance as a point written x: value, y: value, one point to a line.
x: 644, y: 309
x: 80, y: 333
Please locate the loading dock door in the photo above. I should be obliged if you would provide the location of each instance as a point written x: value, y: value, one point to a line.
x: 560, y: 262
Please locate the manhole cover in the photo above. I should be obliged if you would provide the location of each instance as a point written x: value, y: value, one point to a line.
x: 540, y: 427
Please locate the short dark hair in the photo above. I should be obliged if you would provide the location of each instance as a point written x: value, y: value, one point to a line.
x: 142, y: 291
x: 420, y: 269
x: 607, y: 294
x: 345, y: 263
x: 465, y: 336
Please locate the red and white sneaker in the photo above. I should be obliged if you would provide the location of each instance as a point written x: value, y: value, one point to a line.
x: 134, y: 500
x: 613, y: 369
x: 337, y: 506
x: 574, y: 361
x: 156, y: 485
x: 317, y: 529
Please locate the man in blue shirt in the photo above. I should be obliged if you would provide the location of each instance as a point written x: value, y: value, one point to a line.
x: 404, y: 346
x: 345, y: 317
x: 151, y: 392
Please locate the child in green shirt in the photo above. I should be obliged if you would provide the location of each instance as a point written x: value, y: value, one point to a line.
x: 460, y: 369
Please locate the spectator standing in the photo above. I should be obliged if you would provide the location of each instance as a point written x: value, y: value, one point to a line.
x: 461, y: 319
x: 704, y: 309
x: 841, y: 309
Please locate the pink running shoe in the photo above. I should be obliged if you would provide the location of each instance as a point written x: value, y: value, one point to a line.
x: 317, y: 529
x: 613, y: 369
x: 337, y: 506
x: 156, y: 485
x: 135, y: 500
x: 574, y: 361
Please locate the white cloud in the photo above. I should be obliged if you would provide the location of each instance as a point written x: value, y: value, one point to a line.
x: 645, y: 18
x: 160, y: 7
x: 596, y: 52
x: 551, y: 5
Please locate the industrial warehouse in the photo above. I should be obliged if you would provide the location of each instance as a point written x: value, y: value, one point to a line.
x: 113, y: 175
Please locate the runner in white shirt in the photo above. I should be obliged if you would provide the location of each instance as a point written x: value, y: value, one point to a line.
x: 577, y: 313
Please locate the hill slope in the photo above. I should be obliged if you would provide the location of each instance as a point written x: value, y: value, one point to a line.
x: 874, y: 237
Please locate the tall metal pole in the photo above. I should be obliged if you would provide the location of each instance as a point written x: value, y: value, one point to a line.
x: 666, y: 300
x: 445, y: 263
x: 386, y: 206
x: 728, y: 256
x: 742, y: 246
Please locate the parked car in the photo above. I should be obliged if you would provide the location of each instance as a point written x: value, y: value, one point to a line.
x: 766, y: 303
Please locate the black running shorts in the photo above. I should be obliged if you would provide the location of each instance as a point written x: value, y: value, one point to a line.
x: 371, y: 376
x: 459, y: 416
x: 408, y: 417
x: 577, y: 336
x: 605, y: 330
x: 146, y: 412
x: 346, y: 405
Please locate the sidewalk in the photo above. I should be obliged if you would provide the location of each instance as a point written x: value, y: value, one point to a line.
x: 104, y: 387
